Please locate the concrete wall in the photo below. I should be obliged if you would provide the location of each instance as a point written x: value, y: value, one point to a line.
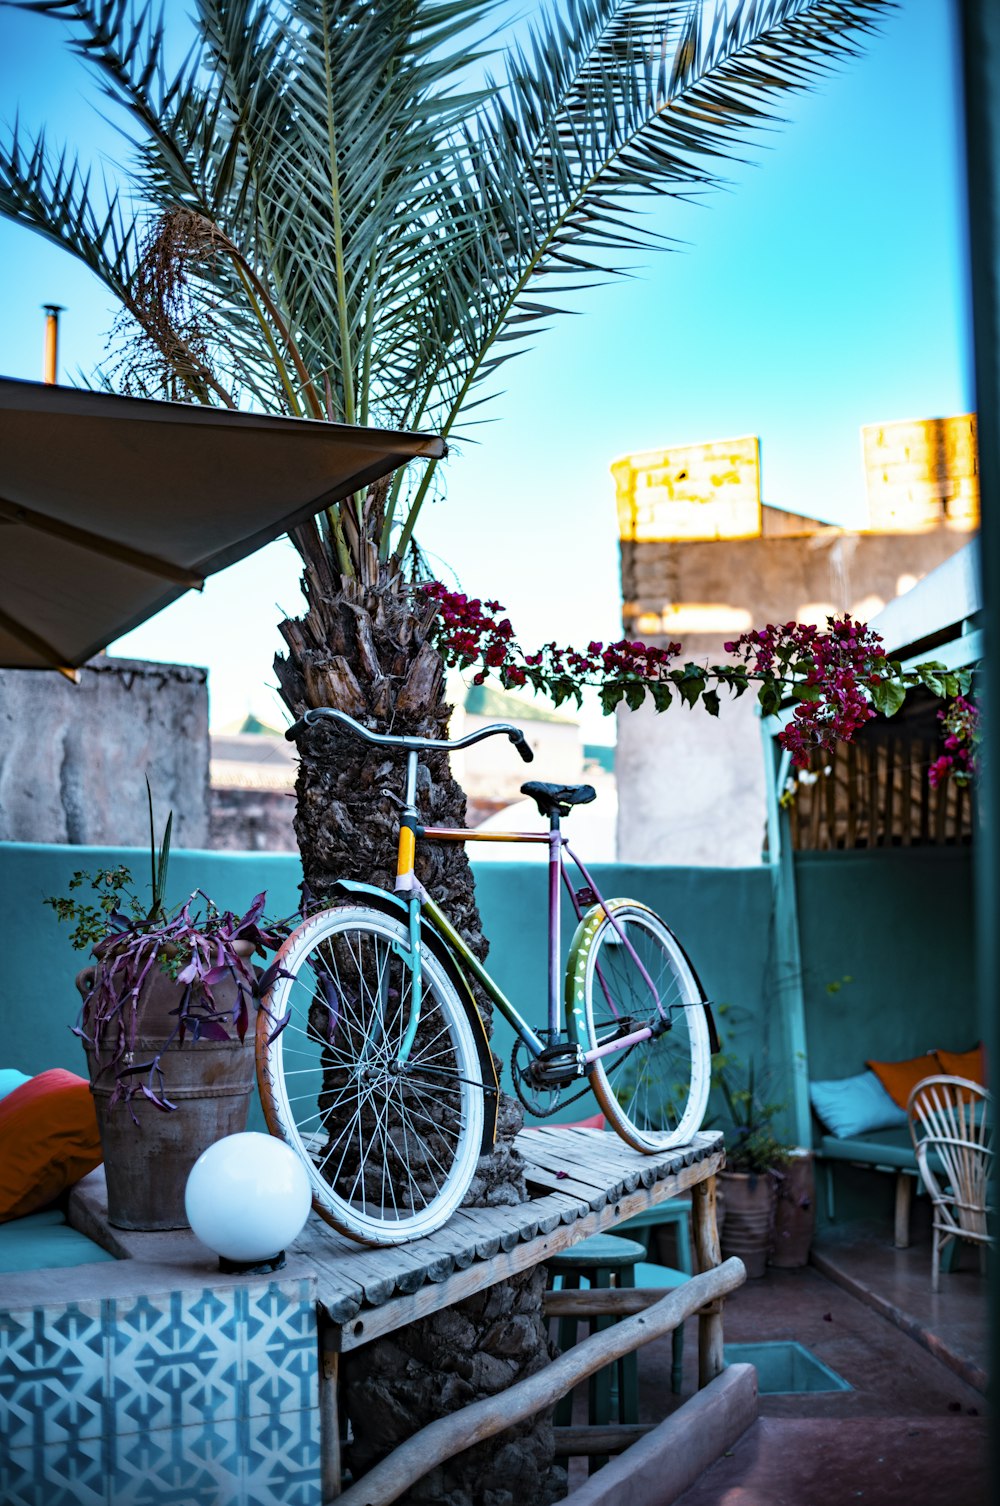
x: 38, y: 1006
x: 73, y: 757
x: 692, y: 788
x: 922, y: 472
x: 899, y: 924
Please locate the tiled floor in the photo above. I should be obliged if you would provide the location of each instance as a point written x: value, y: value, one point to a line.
x: 910, y: 1432
x: 897, y: 1283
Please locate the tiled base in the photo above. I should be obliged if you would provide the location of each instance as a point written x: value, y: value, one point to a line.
x: 203, y: 1397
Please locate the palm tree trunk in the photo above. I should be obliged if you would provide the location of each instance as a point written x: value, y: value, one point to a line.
x: 362, y: 647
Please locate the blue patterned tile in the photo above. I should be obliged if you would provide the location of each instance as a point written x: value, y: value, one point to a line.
x: 52, y: 1374
x: 162, y: 1468
x: 282, y: 1360
x: 72, y: 1473
x: 202, y: 1398
x: 176, y: 1362
x: 283, y: 1459
x: 219, y: 1464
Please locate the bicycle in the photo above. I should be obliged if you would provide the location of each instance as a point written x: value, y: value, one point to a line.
x: 373, y: 1061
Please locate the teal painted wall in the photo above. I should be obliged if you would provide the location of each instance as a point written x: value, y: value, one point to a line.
x: 722, y: 916
x: 899, y: 923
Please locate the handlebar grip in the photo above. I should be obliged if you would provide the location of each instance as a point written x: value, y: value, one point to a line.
x: 295, y: 731
x: 520, y: 743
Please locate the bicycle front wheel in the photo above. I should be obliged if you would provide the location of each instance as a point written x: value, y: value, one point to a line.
x: 390, y: 1147
x: 653, y: 1094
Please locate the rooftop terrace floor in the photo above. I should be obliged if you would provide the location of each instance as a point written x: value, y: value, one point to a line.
x: 911, y: 1430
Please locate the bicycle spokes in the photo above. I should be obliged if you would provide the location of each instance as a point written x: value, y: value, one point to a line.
x: 384, y: 1137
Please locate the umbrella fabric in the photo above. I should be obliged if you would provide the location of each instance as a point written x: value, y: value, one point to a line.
x: 112, y: 507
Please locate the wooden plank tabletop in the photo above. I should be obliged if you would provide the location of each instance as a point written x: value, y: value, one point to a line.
x: 582, y: 1181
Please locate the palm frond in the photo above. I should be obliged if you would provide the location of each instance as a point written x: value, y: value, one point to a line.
x: 371, y: 232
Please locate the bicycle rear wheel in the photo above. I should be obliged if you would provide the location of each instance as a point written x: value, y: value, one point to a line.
x: 653, y: 1094
x: 390, y: 1150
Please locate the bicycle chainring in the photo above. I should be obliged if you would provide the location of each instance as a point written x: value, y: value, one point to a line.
x: 540, y: 1101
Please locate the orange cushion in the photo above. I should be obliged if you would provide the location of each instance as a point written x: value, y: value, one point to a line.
x: 48, y: 1141
x: 900, y: 1078
x: 970, y: 1064
x: 596, y: 1121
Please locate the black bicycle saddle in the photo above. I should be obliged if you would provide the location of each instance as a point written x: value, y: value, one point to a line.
x: 556, y: 799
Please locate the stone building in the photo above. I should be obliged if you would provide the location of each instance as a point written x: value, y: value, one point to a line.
x: 253, y: 789
x: 74, y: 759
x: 702, y: 560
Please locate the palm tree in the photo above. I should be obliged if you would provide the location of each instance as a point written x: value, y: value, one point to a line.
x: 333, y: 210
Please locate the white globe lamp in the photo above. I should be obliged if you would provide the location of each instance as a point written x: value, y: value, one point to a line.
x: 247, y: 1198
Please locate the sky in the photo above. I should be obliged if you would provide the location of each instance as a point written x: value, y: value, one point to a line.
x: 824, y: 289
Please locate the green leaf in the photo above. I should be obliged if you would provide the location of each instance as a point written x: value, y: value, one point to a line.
x: 710, y: 701
x: 888, y: 697
x: 610, y: 697
x: 662, y: 696
x: 932, y: 679
x: 635, y: 694
x: 768, y: 698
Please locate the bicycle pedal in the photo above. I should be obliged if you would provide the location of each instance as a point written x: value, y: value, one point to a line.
x: 557, y: 1066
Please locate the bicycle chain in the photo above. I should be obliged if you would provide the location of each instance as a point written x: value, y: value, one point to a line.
x: 533, y: 1108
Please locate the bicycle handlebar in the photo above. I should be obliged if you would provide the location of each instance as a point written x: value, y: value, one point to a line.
x: 411, y: 744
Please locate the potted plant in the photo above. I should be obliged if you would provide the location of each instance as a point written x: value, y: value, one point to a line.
x: 756, y: 1162
x: 166, y: 1007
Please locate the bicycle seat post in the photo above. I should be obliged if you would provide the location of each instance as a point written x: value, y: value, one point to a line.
x: 408, y: 826
x: 405, y: 882
x: 555, y: 938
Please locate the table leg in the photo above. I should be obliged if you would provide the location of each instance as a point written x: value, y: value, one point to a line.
x: 329, y: 1425
x: 707, y: 1255
x: 904, y: 1198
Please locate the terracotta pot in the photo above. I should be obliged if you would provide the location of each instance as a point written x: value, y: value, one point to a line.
x: 749, y: 1226
x: 147, y: 1163
x: 795, y: 1212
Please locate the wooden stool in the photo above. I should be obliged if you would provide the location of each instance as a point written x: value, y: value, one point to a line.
x: 602, y: 1261
x: 674, y: 1211
x: 647, y: 1274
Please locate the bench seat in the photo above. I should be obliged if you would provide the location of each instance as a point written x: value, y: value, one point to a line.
x: 889, y: 1150
x: 42, y: 1241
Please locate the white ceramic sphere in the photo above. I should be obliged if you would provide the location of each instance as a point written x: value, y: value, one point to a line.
x: 247, y: 1197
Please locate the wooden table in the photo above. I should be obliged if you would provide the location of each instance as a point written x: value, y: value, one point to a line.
x: 581, y: 1182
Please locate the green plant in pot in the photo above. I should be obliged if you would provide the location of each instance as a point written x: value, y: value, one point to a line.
x: 756, y: 1162
x: 166, y: 1008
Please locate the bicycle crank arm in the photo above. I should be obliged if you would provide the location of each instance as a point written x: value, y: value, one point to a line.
x: 557, y: 1066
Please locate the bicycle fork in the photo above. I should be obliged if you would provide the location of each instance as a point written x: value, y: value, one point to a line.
x: 406, y: 883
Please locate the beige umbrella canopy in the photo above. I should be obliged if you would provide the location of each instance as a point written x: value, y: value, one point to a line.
x: 112, y: 507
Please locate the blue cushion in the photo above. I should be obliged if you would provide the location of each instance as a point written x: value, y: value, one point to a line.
x: 648, y: 1274
x: 11, y: 1078
x: 850, y: 1106
x: 42, y: 1241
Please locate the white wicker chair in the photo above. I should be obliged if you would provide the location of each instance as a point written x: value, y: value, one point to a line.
x: 951, y: 1122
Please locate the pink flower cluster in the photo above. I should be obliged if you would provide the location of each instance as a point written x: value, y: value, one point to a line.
x: 960, y: 724
x: 472, y: 632
x: 834, y: 673
x: 839, y: 675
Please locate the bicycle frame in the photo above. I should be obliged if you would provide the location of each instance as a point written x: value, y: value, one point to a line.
x: 420, y: 902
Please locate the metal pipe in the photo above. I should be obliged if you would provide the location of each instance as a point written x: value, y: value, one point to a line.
x: 51, y: 360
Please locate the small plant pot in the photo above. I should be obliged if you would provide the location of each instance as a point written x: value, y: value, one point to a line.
x: 748, y: 1230
x: 795, y: 1212
x: 147, y: 1158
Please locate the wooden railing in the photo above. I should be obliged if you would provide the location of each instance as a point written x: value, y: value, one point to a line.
x: 448, y: 1436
